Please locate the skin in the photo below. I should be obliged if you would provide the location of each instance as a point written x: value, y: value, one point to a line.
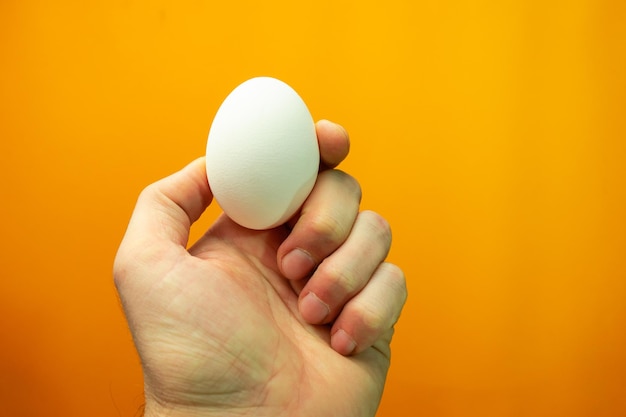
x: 293, y: 321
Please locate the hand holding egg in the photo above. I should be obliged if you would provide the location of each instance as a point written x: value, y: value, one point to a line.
x: 271, y: 320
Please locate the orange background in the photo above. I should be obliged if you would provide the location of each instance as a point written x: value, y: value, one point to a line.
x: 491, y: 134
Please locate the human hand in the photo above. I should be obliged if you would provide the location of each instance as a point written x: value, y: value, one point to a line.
x: 293, y: 321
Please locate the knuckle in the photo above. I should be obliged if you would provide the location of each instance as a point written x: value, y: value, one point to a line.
x: 327, y: 229
x: 352, y: 186
x: 379, y: 225
x: 346, y: 182
x: 339, y: 281
x: 120, y: 270
x: 125, y: 264
x: 395, y: 279
x: 148, y: 191
x: 371, y: 320
x: 133, y: 258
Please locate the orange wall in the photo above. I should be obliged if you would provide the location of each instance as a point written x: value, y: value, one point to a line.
x: 491, y: 134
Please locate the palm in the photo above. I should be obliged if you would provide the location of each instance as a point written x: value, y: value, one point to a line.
x: 229, y: 334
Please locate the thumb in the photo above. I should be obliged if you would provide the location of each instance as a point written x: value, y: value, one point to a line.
x: 165, y: 211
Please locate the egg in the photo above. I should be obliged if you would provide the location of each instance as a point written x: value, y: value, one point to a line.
x: 262, y: 155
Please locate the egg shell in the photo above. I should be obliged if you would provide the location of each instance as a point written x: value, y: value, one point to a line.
x: 262, y: 155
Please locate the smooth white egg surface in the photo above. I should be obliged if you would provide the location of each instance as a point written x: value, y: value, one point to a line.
x: 262, y: 155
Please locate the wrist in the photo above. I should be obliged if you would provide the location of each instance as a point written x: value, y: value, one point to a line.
x: 153, y: 408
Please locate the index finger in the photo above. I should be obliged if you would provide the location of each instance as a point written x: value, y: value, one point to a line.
x: 334, y: 143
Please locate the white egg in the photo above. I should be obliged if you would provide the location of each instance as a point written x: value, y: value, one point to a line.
x: 262, y: 155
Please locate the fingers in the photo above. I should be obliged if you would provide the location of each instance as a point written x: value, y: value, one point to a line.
x: 356, y: 290
x: 351, y: 286
x: 344, y: 273
x: 166, y: 209
x: 324, y: 223
x: 372, y: 313
x: 334, y: 143
x: 328, y: 213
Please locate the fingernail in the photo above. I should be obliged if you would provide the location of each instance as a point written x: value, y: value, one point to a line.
x: 342, y: 342
x: 313, y: 309
x: 297, y: 264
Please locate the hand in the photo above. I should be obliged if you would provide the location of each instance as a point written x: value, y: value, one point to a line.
x: 293, y: 321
